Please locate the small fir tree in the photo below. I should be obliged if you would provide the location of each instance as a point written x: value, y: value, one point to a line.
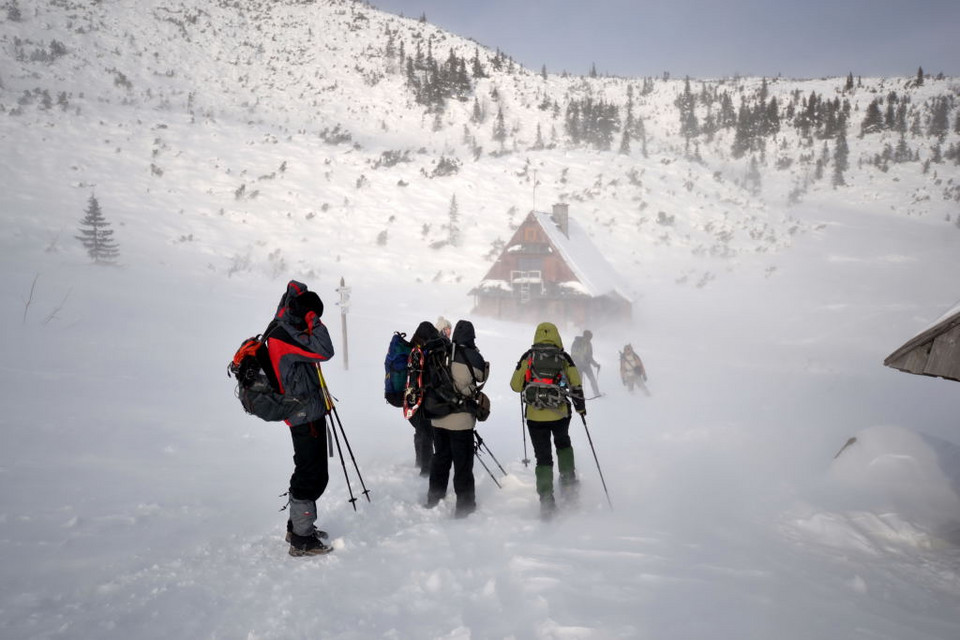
x: 841, y: 154
x: 13, y: 12
x: 454, y: 226
x: 96, y: 236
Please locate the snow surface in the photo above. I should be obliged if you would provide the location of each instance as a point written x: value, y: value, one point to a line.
x: 138, y: 501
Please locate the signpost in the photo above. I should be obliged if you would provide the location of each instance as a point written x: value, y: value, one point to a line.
x: 344, y: 303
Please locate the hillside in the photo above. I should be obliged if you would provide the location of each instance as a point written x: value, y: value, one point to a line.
x: 235, y: 145
x: 313, y: 118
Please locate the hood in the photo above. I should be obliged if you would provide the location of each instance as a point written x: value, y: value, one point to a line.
x: 547, y: 333
x: 424, y: 333
x: 464, y: 334
x: 294, y: 289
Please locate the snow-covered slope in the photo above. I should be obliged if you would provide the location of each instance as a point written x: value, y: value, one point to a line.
x: 136, y: 500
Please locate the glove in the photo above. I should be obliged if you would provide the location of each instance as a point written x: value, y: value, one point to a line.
x: 309, y: 318
x: 579, y: 404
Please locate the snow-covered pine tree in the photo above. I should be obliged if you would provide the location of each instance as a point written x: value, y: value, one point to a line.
x: 96, y: 236
x: 841, y: 153
x: 454, y: 226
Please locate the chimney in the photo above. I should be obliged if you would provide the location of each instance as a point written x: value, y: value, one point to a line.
x: 561, y: 216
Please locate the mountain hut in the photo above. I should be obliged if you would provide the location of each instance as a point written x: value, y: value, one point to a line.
x: 551, y: 270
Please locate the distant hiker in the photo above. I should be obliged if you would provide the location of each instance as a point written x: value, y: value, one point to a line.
x: 297, y: 342
x: 453, y: 433
x: 548, y: 380
x: 423, y: 430
x: 443, y: 326
x: 632, y: 371
x: 582, y: 352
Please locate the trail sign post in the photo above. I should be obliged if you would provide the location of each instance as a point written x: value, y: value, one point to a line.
x: 344, y: 303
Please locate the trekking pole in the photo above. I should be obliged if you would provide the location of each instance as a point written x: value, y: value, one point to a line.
x: 599, y: 470
x: 333, y: 428
x: 523, y: 430
x: 332, y: 409
x: 476, y: 452
x: 481, y: 444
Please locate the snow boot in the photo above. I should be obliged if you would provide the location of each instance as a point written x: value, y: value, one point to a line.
x: 307, y: 546
x: 569, y: 485
x: 548, y: 506
x: 544, y: 475
x: 466, y: 504
x: 323, y: 535
x: 433, y: 499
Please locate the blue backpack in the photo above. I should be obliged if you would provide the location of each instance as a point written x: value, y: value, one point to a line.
x: 395, y: 369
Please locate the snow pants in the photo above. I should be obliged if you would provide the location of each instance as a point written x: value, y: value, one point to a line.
x: 453, y: 448
x: 540, y: 434
x: 310, y: 476
x: 422, y: 442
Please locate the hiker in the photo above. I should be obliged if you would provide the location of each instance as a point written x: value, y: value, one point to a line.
x: 632, y: 371
x: 453, y: 433
x: 297, y: 342
x: 443, y: 326
x: 422, y: 429
x: 582, y: 352
x: 548, y: 380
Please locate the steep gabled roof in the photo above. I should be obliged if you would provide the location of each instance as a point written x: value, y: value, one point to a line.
x: 583, y: 257
x: 935, y: 351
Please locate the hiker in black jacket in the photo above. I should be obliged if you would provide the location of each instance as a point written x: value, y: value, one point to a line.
x: 297, y: 342
x: 453, y: 433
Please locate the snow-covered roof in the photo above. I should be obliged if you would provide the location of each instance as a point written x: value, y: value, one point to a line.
x: 583, y: 257
x: 935, y: 351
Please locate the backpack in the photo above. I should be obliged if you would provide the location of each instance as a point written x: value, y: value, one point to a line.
x: 395, y: 369
x: 257, y: 386
x: 431, y: 388
x: 546, y: 385
x: 438, y: 391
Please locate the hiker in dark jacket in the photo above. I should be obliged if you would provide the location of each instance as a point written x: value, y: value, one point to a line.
x: 298, y: 342
x: 422, y: 429
x: 453, y: 434
x: 546, y: 421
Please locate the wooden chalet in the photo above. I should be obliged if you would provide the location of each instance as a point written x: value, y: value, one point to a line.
x: 934, y: 351
x: 550, y: 270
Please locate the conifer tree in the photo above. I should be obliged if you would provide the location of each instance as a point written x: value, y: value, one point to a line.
x: 454, y: 226
x: 841, y: 154
x: 96, y: 236
x: 920, y: 76
x: 500, y: 127
x: 13, y: 12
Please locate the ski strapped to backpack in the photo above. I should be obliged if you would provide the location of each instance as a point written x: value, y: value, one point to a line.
x: 395, y: 369
x: 257, y: 386
x: 545, y: 381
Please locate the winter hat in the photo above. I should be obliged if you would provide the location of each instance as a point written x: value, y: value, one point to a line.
x: 588, y: 334
x: 442, y: 324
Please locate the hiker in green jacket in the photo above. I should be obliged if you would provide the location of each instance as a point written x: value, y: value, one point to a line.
x: 549, y: 381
